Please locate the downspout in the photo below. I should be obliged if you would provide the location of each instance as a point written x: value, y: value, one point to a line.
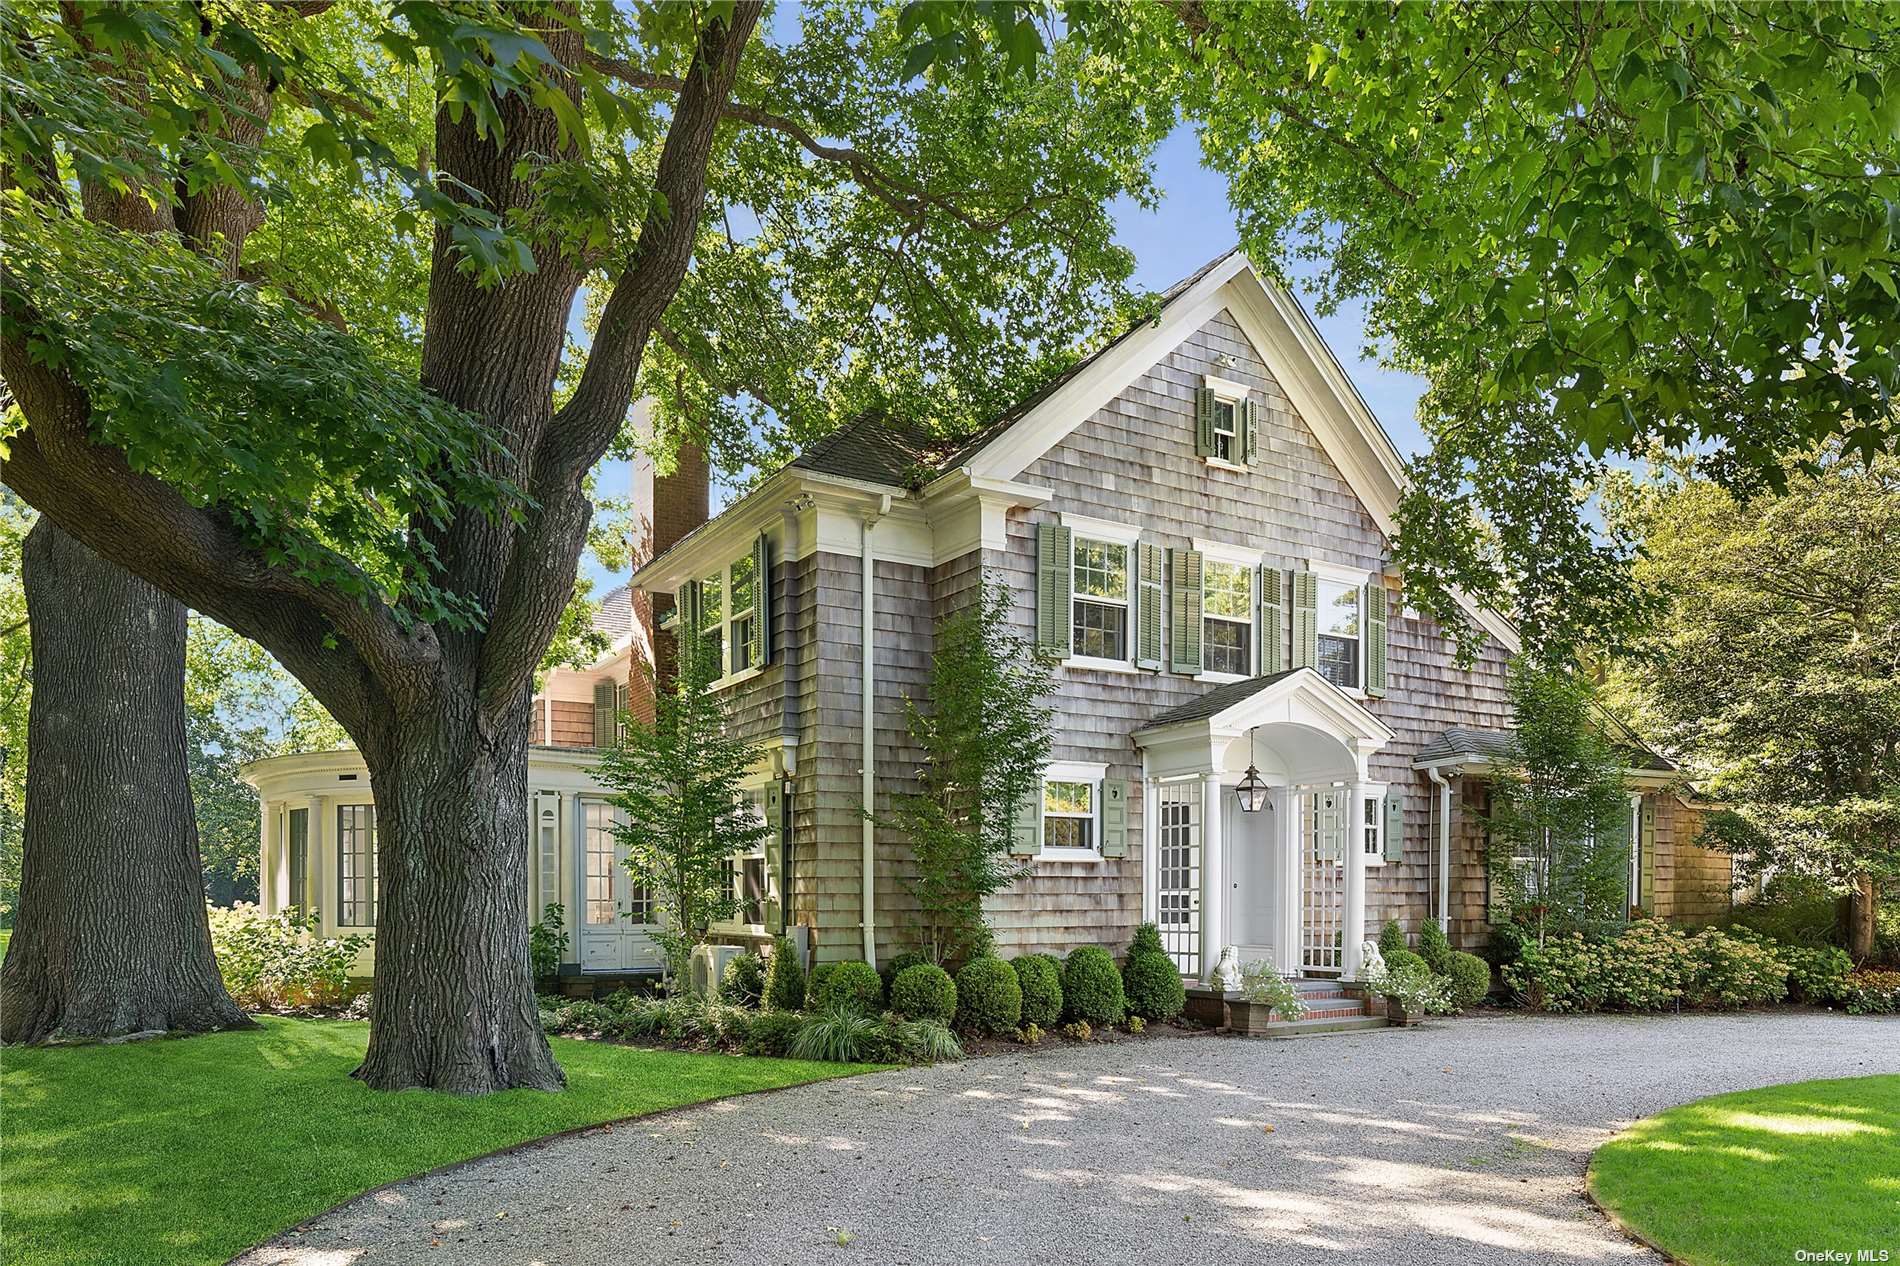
x: 1444, y: 847
x: 867, y: 789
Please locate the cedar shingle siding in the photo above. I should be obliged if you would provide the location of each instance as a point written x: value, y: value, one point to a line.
x: 1132, y: 462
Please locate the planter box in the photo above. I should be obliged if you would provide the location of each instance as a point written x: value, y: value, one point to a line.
x: 1250, y: 1018
x: 1396, y: 1013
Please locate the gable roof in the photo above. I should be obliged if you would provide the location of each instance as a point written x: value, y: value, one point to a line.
x: 613, y: 618
x: 1217, y: 700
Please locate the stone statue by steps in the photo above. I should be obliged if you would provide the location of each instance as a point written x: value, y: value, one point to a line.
x: 1227, y: 970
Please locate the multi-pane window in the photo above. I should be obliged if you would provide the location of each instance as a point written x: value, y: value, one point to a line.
x: 600, y: 873
x: 297, y: 827
x: 1375, y: 847
x: 1339, y: 633
x: 1178, y: 874
x: 1100, y: 625
x: 356, y: 865
x: 1226, y: 441
x: 1068, y: 815
x: 744, y: 614
x: 745, y: 872
x: 1227, y: 610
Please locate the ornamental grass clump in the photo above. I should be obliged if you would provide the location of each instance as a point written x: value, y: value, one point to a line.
x: 837, y: 1035
x: 1040, y: 976
x: 989, y: 999
x: 1151, y: 984
x: 924, y: 992
x: 1092, y: 988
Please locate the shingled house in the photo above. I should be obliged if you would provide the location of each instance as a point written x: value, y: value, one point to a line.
x: 1196, y: 519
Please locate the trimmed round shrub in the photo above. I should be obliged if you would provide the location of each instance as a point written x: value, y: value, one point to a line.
x: 1470, y: 978
x: 1040, y: 977
x: 744, y: 981
x: 1147, y: 941
x: 1092, y: 988
x: 988, y: 998
x: 852, y: 986
x: 785, y: 977
x: 1152, y: 986
x: 924, y: 992
x: 900, y: 962
x: 1391, y: 939
x: 1433, y: 947
x: 1401, y: 957
x: 814, y: 981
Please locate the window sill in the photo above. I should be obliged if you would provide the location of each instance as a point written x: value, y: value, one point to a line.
x: 1086, y: 856
x: 1100, y: 665
x: 733, y: 679
x: 1219, y: 463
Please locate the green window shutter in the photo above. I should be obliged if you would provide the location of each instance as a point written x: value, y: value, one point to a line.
x: 1114, y: 817
x: 775, y: 856
x: 1148, y: 605
x: 1184, y: 579
x: 1305, y: 619
x: 1025, y: 833
x: 1054, y: 552
x: 686, y: 613
x: 1394, y: 825
x: 1249, y: 437
x: 1376, y: 603
x: 761, y: 648
x: 1270, y: 628
x: 1647, y: 898
x: 1204, y: 421
x: 604, y: 719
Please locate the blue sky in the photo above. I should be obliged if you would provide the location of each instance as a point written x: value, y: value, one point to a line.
x: 1193, y: 224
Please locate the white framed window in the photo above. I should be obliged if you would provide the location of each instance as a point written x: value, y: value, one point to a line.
x: 1224, y: 444
x: 745, y: 873
x: 607, y: 889
x: 1227, y: 618
x: 1099, y: 617
x: 1072, y: 812
x: 1341, y: 646
x: 356, y: 865
x: 1226, y: 430
x: 745, y: 613
x: 1372, y: 828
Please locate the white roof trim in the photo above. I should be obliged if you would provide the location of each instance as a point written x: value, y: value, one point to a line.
x: 1349, y: 720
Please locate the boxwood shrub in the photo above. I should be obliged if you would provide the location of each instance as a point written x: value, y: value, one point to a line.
x: 924, y: 991
x: 901, y: 961
x: 988, y: 998
x: 1433, y: 947
x: 744, y: 981
x: 1401, y: 957
x: 849, y: 986
x: 1391, y: 939
x: 1092, y: 988
x: 1040, y: 977
x: 1151, y: 984
x: 785, y: 977
x: 1470, y: 978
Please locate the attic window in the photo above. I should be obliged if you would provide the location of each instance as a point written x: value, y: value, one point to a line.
x: 1225, y: 438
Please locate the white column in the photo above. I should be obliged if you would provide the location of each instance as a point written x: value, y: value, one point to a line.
x: 1355, y: 932
x: 1213, y: 877
x: 268, y: 866
x: 1292, y: 879
x: 320, y: 886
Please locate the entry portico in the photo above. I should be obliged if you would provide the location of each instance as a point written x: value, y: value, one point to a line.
x: 1286, y: 882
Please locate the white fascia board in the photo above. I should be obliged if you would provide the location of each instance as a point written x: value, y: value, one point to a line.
x: 1106, y: 377
x: 967, y: 512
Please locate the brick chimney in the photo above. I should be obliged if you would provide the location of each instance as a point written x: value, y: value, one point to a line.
x: 665, y: 508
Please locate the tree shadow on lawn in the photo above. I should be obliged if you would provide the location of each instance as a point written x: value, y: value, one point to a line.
x: 192, y: 1150
x: 1759, y: 1174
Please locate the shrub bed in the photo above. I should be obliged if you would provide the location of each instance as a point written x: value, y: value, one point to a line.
x: 280, y: 962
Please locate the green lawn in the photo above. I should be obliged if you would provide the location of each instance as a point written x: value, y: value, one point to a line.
x: 1754, y: 1176
x: 192, y: 1150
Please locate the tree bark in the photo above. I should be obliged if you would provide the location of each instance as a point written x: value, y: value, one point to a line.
x: 453, y: 1007
x: 111, y: 936
x: 1862, y: 906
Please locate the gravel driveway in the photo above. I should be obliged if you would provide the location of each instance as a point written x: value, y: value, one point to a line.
x: 1464, y: 1141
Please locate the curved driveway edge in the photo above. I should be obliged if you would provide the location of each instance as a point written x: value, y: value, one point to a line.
x: 1463, y: 1141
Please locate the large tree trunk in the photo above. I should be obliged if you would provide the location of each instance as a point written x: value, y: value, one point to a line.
x: 1862, y: 906
x: 453, y: 1006
x: 111, y: 936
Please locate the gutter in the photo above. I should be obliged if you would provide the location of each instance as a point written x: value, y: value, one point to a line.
x: 867, y: 787
x: 1444, y: 846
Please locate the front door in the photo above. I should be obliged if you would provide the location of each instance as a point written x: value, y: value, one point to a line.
x: 1256, y: 886
x: 1322, y: 879
x: 613, y: 911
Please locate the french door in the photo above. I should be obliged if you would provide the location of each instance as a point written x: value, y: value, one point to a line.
x: 1178, y: 872
x: 1322, y: 880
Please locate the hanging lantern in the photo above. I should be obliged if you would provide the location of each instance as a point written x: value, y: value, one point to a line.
x: 1252, y: 790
